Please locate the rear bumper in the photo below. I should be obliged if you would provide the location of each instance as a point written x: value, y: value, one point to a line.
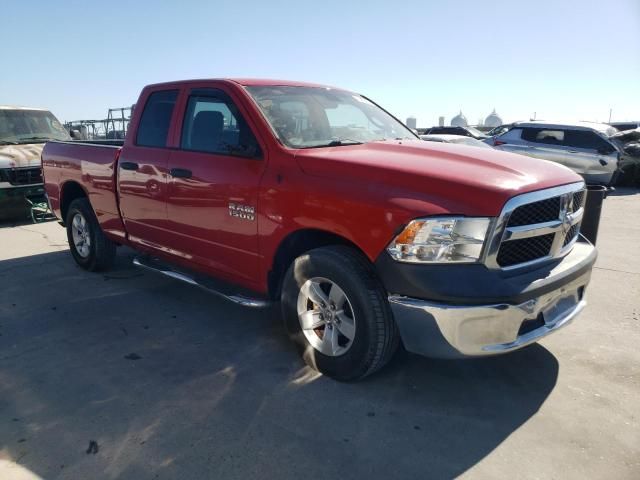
x: 455, y: 329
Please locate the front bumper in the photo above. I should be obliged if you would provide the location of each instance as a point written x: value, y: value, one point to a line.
x: 459, y: 329
x: 13, y: 202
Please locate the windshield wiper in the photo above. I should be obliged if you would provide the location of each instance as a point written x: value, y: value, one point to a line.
x: 8, y: 142
x: 337, y: 143
x: 36, y: 138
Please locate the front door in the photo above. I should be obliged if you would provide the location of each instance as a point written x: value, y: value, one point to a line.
x: 213, y: 184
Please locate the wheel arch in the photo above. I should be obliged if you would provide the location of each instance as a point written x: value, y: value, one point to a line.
x: 70, y: 191
x: 295, y: 244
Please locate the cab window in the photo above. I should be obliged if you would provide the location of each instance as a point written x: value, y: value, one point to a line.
x: 156, y: 118
x: 213, y: 124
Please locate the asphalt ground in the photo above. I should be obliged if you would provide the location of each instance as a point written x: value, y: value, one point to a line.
x: 126, y: 374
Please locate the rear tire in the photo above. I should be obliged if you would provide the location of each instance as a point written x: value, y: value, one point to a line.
x: 349, y: 331
x: 90, y: 248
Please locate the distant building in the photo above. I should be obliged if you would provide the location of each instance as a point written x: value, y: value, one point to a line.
x: 493, y: 120
x: 441, y: 121
x: 412, y: 122
x: 459, y: 120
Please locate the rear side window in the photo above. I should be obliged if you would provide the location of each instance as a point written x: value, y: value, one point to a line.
x: 155, y: 119
x: 213, y: 124
x: 541, y: 135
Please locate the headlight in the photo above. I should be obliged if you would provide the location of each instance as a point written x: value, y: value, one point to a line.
x: 441, y: 240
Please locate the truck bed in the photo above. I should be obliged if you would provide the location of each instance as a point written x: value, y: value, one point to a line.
x: 90, y: 165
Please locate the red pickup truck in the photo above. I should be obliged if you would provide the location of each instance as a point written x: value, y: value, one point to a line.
x: 316, y: 197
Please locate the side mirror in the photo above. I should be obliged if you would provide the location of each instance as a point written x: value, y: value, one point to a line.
x: 75, y: 134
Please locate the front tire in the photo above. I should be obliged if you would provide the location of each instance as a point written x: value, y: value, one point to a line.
x: 336, y: 311
x: 90, y: 248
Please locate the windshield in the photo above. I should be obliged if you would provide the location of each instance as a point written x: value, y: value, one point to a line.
x: 29, y: 126
x: 313, y: 117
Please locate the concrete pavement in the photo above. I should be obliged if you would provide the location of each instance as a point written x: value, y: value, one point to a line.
x: 171, y: 382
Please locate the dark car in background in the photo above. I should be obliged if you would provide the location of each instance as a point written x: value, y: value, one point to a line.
x: 451, y: 130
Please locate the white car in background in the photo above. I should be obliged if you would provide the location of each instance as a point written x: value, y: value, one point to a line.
x: 459, y: 139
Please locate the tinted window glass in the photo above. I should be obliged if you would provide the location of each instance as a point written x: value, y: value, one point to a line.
x: 154, y: 123
x: 449, y: 131
x: 540, y: 135
x: 213, y: 124
x: 585, y: 139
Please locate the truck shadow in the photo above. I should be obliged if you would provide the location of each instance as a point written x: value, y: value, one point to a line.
x: 171, y: 381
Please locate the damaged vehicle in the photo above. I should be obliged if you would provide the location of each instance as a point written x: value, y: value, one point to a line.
x: 584, y: 147
x: 628, y: 142
x: 23, y: 133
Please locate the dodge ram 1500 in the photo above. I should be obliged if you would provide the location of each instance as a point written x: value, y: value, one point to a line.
x: 315, y: 197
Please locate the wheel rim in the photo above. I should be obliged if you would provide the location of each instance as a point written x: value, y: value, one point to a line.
x: 326, y: 316
x: 81, y: 236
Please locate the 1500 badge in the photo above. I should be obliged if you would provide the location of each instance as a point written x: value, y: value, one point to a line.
x: 246, y: 212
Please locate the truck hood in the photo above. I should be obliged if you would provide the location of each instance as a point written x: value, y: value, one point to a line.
x: 457, y: 178
x: 20, y: 156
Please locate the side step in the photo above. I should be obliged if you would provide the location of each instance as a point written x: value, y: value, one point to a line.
x: 210, y: 285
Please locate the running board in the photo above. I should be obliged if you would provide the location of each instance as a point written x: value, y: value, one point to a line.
x: 209, y: 285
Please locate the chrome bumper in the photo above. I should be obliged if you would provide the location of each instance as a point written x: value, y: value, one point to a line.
x: 448, y: 331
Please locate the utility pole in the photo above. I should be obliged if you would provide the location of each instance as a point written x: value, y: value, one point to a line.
x: 610, y: 110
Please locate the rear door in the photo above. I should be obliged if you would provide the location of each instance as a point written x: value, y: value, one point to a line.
x: 546, y: 143
x: 142, y: 175
x: 214, y: 176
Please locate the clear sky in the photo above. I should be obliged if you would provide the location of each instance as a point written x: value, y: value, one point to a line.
x: 560, y: 58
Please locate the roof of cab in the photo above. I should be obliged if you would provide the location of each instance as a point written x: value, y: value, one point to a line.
x: 247, y: 82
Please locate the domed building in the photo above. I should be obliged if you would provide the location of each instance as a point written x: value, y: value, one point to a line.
x: 459, y: 120
x: 493, y: 120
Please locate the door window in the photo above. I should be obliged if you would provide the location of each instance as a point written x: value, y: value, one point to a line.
x: 213, y: 124
x: 586, y: 140
x: 155, y: 120
x: 541, y: 135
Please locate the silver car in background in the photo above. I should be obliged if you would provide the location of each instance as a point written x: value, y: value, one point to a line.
x: 584, y: 147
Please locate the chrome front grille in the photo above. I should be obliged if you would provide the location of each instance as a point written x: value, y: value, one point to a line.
x: 524, y: 250
x: 537, y: 226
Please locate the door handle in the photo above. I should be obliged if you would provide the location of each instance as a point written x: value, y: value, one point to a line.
x: 129, y: 165
x: 573, y: 151
x: 180, y: 173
